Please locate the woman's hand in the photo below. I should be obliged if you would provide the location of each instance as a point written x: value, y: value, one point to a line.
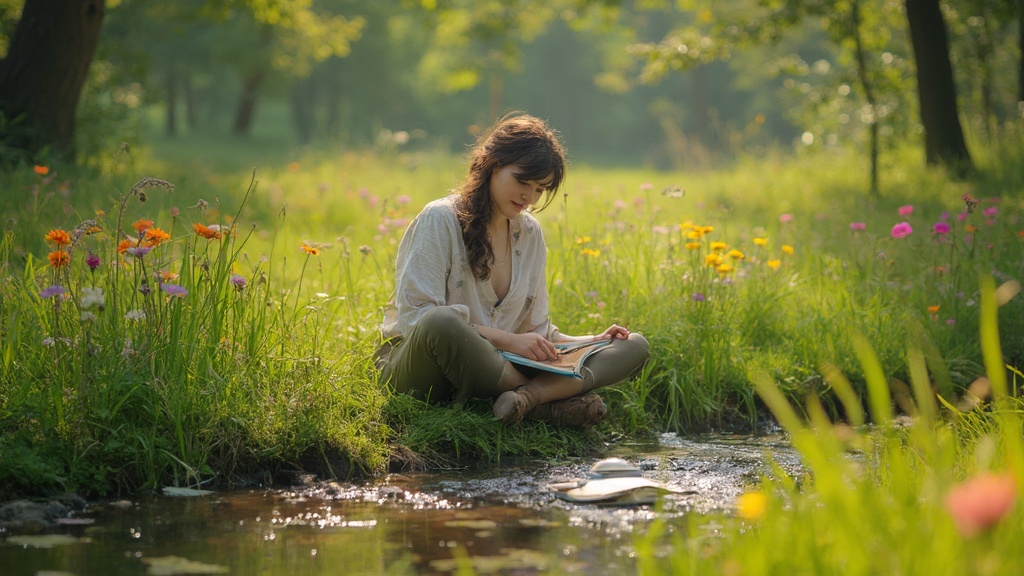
x: 614, y: 332
x: 533, y: 346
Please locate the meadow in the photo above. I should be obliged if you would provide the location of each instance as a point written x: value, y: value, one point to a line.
x: 179, y: 316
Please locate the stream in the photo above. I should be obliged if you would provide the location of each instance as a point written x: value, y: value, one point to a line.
x: 495, y: 519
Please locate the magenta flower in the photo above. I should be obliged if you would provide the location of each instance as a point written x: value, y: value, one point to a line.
x: 990, y: 212
x: 961, y: 216
x: 174, y: 289
x: 902, y: 230
x: 55, y: 290
x: 92, y: 261
x: 906, y: 210
x: 858, y: 226
x: 940, y: 228
x: 238, y: 281
x: 785, y: 218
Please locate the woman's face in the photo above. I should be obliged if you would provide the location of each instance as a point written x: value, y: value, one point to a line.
x: 510, y: 195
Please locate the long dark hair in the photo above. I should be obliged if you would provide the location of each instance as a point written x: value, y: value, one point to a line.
x: 518, y: 139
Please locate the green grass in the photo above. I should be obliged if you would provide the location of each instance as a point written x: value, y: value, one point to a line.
x: 225, y: 381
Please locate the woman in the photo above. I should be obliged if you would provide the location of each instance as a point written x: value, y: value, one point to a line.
x: 470, y: 280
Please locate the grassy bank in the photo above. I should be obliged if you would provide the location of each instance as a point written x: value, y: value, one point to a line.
x: 230, y: 336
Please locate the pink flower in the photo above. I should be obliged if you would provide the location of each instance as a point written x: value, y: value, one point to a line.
x: 858, y: 226
x: 940, y: 228
x: 906, y: 210
x: 979, y: 503
x: 785, y: 218
x: 646, y: 186
x: 403, y: 200
x: 944, y: 216
x: 990, y: 212
x: 902, y: 230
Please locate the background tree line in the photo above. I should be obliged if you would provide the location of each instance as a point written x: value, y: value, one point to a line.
x: 666, y: 82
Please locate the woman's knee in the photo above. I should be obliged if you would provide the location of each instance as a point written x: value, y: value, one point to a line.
x: 441, y: 321
x: 639, y: 347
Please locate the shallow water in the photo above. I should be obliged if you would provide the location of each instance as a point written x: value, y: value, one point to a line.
x: 496, y: 519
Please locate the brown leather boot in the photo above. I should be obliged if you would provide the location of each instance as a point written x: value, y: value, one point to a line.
x: 580, y: 411
x: 511, y: 406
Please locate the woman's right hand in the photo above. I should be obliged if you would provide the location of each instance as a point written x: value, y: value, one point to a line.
x: 533, y: 346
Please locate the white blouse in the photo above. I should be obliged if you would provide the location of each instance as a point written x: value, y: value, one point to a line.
x: 432, y: 270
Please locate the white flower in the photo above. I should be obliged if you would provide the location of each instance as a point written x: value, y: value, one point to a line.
x: 92, y: 296
x: 88, y: 317
x: 135, y: 315
x: 48, y: 341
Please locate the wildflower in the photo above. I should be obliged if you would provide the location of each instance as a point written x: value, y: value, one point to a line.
x: 760, y: 241
x: 174, y: 290
x: 208, y: 232
x: 123, y: 246
x: 970, y: 229
x: 91, y: 297
x: 751, y: 505
x: 141, y: 225
x: 981, y: 502
x: 705, y: 229
x: 858, y: 226
x: 934, y: 308
x: 135, y: 315
x: 92, y: 261
x: 175, y: 212
x: 583, y: 240
x: 784, y: 218
x: 990, y: 212
x: 787, y: 249
x: 686, y: 225
x: 902, y: 230
x: 713, y: 259
x: 165, y: 276
x: 156, y: 236
x: 139, y: 251
x: 940, y: 228
x: 646, y: 186
x: 694, y: 234
x: 944, y: 216
x: 773, y: 264
x: 692, y: 245
x: 310, y: 250
x: 41, y: 170
x: 58, y: 237
x: 723, y: 269
x: 698, y: 297
x: 55, y: 290
x: 961, y: 216
x: 736, y: 255
x: 619, y: 204
x: 47, y: 342
x: 365, y: 250
x: 238, y: 281
x: 403, y: 200
x: 59, y: 258
x: 88, y: 317
x: 719, y: 246
x: 590, y: 252
x: 905, y: 211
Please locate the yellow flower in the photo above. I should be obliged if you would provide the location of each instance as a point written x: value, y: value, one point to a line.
x: 705, y: 229
x: 736, y: 255
x: 751, y: 505
x: 723, y: 269
x: 787, y: 249
x: 719, y: 246
x: 59, y: 237
x: 773, y: 264
x: 311, y: 250
x: 692, y: 245
x: 590, y: 252
x: 686, y: 225
x: 583, y: 240
x: 712, y: 259
x: 694, y: 235
x: 760, y: 241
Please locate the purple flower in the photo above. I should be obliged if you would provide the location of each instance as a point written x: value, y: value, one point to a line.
x: 944, y: 216
x: 902, y: 230
x: 858, y: 226
x: 785, y: 218
x: 698, y: 297
x: 92, y: 261
x: 55, y: 290
x: 139, y: 251
x: 238, y: 281
x: 906, y: 210
x: 940, y: 228
x: 174, y: 289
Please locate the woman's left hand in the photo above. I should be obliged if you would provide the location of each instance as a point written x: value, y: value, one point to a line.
x: 614, y: 332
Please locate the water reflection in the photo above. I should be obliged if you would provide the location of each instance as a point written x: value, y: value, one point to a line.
x: 498, y: 520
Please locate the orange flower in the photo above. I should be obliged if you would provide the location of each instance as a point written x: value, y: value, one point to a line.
x: 124, y: 245
x: 156, y: 236
x: 141, y: 225
x: 933, y: 309
x: 970, y: 229
x: 206, y: 231
x: 311, y: 250
x: 59, y: 258
x: 41, y: 170
x: 981, y: 502
x: 59, y: 237
x: 168, y: 276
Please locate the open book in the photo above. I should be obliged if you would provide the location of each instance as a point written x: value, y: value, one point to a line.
x: 570, y: 357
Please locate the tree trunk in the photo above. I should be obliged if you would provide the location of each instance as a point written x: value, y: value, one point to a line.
x: 42, y: 76
x: 191, y: 106
x: 247, y: 103
x: 171, y: 123
x: 303, y: 104
x: 1020, y: 70
x: 869, y: 95
x: 936, y: 91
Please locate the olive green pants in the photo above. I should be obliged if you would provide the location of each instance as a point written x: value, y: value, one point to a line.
x: 445, y: 359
